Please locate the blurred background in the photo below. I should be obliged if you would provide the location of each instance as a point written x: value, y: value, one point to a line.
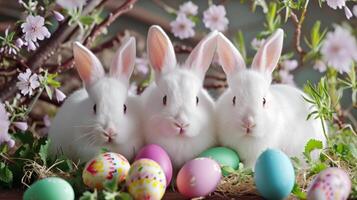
x: 241, y: 18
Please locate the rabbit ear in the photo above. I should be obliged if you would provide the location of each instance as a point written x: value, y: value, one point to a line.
x: 201, y: 56
x: 268, y: 55
x: 124, y: 60
x: 88, y: 66
x: 228, y: 55
x: 160, y: 51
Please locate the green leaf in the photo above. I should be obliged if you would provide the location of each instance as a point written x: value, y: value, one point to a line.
x: 86, y: 20
x: 111, y: 185
x: 312, y: 145
x: 5, y: 173
x: 298, y: 192
x: 125, y: 196
x: 48, y: 91
x: 240, y: 44
x: 89, y: 195
x: 317, y: 168
x: 227, y: 170
x: 43, y: 153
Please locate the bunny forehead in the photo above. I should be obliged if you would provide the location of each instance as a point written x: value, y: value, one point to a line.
x: 179, y: 83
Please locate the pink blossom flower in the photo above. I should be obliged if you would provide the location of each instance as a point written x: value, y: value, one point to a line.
x: 289, y: 65
x: 348, y: 12
x: 256, y: 44
x: 182, y: 27
x: 60, y: 96
x: 4, y: 125
x: 320, y: 66
x: 46, y: 121
x: 59, y: 17
x: 334, y: 4
x: 21, y: 125
x: 339, y: 49
x: 19, y: 43
x: 141, y: 65
x: 286, y: 77
x: 31, y: 46
x: 34, y: 28
x: 188, y: 8
x: 27, y: 82
x: 215, y: 18
x: 71, y: 4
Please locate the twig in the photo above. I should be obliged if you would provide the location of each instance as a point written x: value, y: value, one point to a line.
x: 98, y: 29
x: 297, y: 35
x: 182, y: 49
x: 215, y: 86
x: 215, y: 77
x: 68, y: 64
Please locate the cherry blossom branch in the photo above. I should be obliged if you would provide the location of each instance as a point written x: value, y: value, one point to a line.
x: 46, y: 50
x: 99, y: 29
x: 297, y: 35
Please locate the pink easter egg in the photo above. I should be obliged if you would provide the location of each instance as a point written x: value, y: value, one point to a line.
x: 198, y: 177
x: 332, y: 183
x: 159, y: 155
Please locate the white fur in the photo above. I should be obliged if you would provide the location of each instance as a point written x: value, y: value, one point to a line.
x: 181, y: 85
x: 77, y: 131
x: 281, y: 123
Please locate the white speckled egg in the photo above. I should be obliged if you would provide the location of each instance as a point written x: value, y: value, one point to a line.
x: 105, y: 167
x: 146, y: 180
x: 332, y: 183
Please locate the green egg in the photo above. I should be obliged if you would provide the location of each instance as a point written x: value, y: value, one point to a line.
x: 224, y: 156
x: 51, y: 188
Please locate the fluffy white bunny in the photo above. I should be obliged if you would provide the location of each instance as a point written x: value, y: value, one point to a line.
x: 179, y: 111
x: 253, y: 114
x: 102, y: 114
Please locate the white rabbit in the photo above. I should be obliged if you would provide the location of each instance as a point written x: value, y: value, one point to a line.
x: 253, y: 114
x: 179, y: 111
x: 102, y: 114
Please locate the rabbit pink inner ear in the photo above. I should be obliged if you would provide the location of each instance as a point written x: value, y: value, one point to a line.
x: 201, y: 56
x: 268, y: 55
x: 124, y: 60
x: 228, y: 55
x: 87, y: 64
x: 160, y: 51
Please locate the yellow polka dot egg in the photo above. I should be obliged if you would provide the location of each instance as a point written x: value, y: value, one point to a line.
x: 105, y: 167
x: 146, y: 180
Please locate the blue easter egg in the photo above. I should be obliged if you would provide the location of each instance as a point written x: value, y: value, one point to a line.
x: 274, y: 174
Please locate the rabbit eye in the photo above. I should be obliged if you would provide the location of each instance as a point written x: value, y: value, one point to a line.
x: 264, y: 101
x: 197, y: 100
x: 124, y: 108
x: 95, y: 108
x: 234, y: 100
x: 164, y: 100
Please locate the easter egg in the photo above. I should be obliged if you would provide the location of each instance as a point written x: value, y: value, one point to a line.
x: 274, y: 174
x: 332, y: 183
x: 159, y: 155
x: 198, y: 177
x: 53, y: 188
x: 105, y: 167
x: 146, y: 180
x: 224, y: 156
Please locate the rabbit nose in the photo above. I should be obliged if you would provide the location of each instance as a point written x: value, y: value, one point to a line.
x: 248, y: 122
x: 181, y: 124
x: 110, y: 134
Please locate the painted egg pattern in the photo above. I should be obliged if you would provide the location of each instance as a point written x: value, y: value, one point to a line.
x: 331, y: 184
x: 198, y: 177
x: 146, y: 180
x: 104, y: 167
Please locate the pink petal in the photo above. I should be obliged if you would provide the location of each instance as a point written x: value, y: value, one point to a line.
x: 59, y: 17
x: 60, y: 96
x: 348, y: 12
x: 10, y: 143
x: 21, y: 125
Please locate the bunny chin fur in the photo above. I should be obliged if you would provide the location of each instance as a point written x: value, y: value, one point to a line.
x: 182, y: 85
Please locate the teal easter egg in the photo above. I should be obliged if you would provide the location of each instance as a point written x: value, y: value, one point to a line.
x: 274, y: 174
x: 50, y: 188
x: 224, y: 156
